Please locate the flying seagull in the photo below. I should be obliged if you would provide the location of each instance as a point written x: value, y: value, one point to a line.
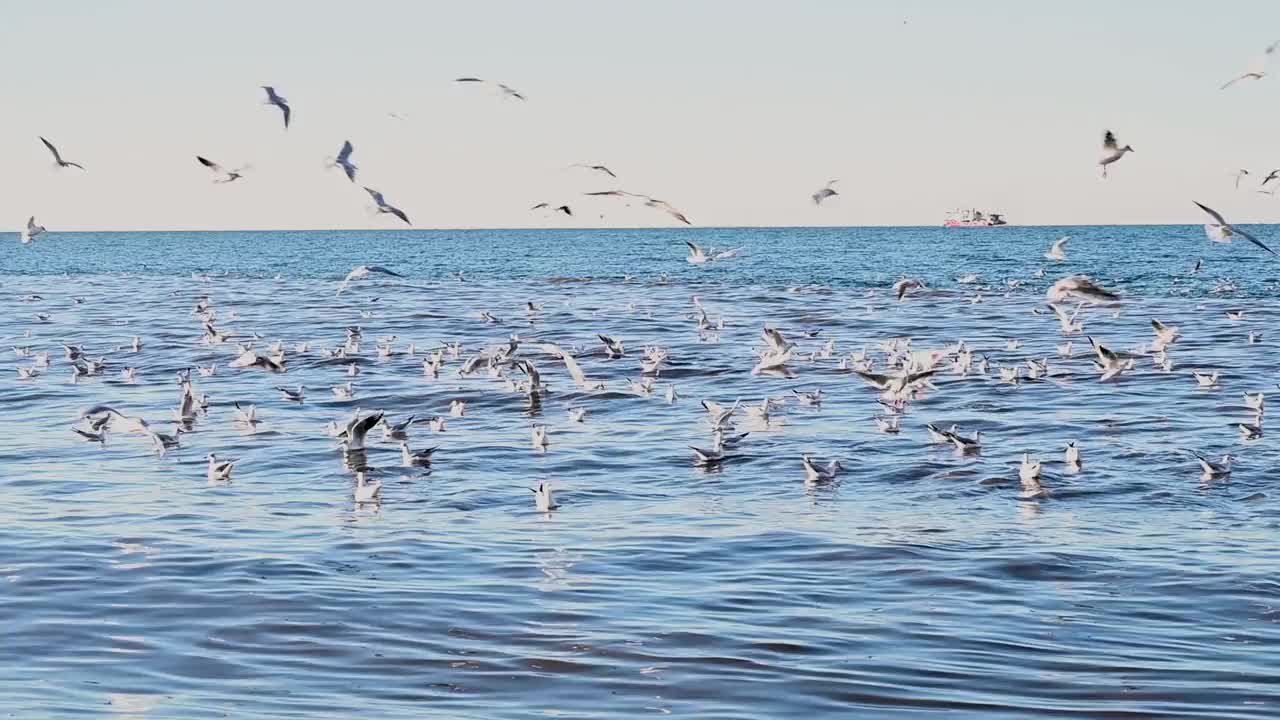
x: 1257, y: 70
x: 344, y: 161
x: 383, y: 207
x: 826, y: 192
x: 1222, y: 231
x: 507, y: 91
x: 1240, y: 174
x: 363, y: 271
x: 597, y: 168
x: 57, y: 156
x: 563, y: 208
x: 274, y: 99
x: 1111, y: 151
x: 652, y: 202
x: 1079, y: 288
x: 225, y: 174
x: 1058, y: 252
x: 31, y: 231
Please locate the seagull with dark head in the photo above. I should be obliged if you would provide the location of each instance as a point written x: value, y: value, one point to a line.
x: 1111, y: 151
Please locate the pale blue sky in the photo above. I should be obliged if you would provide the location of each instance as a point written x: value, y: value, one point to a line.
x: 734, y: 111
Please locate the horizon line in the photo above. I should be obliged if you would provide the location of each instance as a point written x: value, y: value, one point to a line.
x: 478, y: 228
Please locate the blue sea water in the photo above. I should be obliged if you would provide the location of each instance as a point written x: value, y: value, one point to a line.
x: 922, y: 584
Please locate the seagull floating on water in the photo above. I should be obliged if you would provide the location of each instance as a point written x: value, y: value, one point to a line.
x: 220, y: 470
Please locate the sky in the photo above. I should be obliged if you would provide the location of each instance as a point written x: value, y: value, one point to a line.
x: 734, y: 111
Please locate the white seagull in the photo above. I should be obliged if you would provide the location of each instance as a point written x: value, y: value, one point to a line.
x: 220, y: 470
x: 363, y: 271
x: 222, y: 175
x: 1058, y: 253
x: 1257, y: 69
x: 1111, y: 151
x: 31, y: 231
x: 1081, y: 288
x: 542, y: 500
x: 1221, y: 231
x: 826, y: 192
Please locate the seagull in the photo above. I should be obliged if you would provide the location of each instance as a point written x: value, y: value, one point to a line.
x: 577, y: 414
x: 57, y: 156
x: 1057, y: 253
x: 1068, y: 323
x: 1206, y: 380
x: 1111, y: 151
x: 367, y: 491
x: 458, y: 408
x: 815, y: 474
x: 344, y: 161
x: 575, y: 371
x: 562, y: 208
x: 966, y: 445
x: 1257, y: 69
x: 938, y: 436
x: 697, y: 256
x: 383, y: 207
x: 293, y: 395
x: 1110, y: 363
x: 539, y: 437
x: 1222, y: 232
x: 1165, y: 334
x: 613, y: 348
x: 225, y: 174
x: 363, y: 271
x: 597, y: 168
x: 1029, y: 474
x: 652, y: 202
x: 1212, y: 470
x: 31, y: 231
x: 542, y: 500
x: 396, y: 431
x: 1255, y: 402
x: 247, y: 417
x: 1072, y: 455
x: 506, y: 91
x: 344, y: 392
x: 904, y: 285
x: 1240, y: 174
x: 1081, y: 288
x: 826, y: 192
x: 889, y: 425
x: 249, y: 358
x: 357, y: 429
x: 219, y: 471
x: 809, y: 398
x: 409, y: 458
x: 1248, y: 431
x: 274, y: 99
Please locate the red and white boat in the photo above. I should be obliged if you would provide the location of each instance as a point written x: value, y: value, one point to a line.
x: 973, y: 218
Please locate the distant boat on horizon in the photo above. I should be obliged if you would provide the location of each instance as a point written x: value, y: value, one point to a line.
x: 973, y: 218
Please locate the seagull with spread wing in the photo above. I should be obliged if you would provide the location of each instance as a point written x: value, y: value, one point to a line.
x: 826, y: 192
x: 1257, y: 70
x: 57, y: 156
x: 1111, y: 151
x: 344, y: 161
x: 597, y: 168
x: 506, y: 90
x: 384, y: 207
x: 280, y: 102
x: 361, y: 272
x: 222, y: 175
x: 1222, y: 232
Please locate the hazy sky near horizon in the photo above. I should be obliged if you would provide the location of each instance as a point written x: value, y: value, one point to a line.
x: 734, y: 111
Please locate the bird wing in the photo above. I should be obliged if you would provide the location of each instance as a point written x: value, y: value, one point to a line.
x: 468, y: 79
x: 565, y: 209
x: 56, y: 156
x: 284, y: 108
x: 694, y: 250
x: 605, y: 170
x: 539, y: 206
x: 384, y: 271
x: 613, y: 193
x: 377, y: 196
x: 210, y: 164
x: 1252, y: 239
x: 345, y: 153
x: 399, y: 213
x: 774, y: 338
x: 1109, y: 140
x: 1212, y: 212
x: 31, y: 223
x: 1060, y: 313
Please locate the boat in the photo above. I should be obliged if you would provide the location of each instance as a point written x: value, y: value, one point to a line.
x: 973, y: 218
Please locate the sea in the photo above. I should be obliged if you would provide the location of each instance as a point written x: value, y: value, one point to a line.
x: 921, y: 583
